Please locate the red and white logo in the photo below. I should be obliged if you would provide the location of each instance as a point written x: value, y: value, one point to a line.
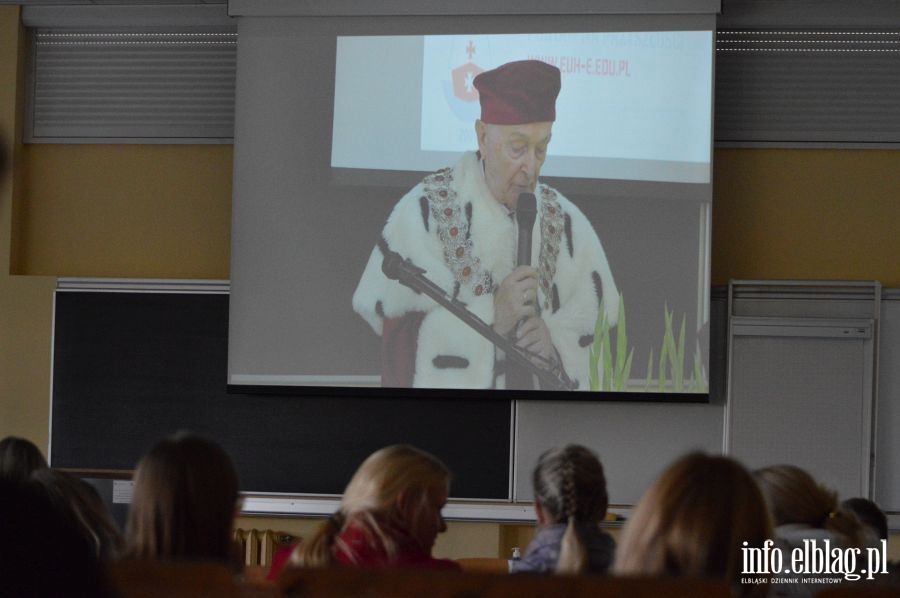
x: 464, y: 76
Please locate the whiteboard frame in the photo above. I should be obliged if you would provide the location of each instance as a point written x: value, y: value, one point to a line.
x: 866, y: 329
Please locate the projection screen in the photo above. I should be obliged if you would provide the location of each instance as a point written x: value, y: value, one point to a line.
x: 340, y: 119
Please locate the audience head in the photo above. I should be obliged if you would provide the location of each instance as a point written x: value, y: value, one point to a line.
x: 794, y: 496
x: 43, y: 554
x: 399, y: 487
x: 693, y: 522
x: 570, y: 488
x: 184, y: 504
x: 81, y: 504
x: 19, y: 458
x: 869, y: 514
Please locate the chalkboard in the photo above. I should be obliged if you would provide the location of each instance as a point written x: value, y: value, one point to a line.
x: 132, y: 367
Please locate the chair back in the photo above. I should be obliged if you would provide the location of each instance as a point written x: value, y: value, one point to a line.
x: 151, y: 579
x: 345, y: 582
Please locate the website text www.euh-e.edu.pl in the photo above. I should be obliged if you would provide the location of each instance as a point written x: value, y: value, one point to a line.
x: 815, y: 557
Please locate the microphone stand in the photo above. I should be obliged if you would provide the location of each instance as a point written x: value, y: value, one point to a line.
x: 410, y: 275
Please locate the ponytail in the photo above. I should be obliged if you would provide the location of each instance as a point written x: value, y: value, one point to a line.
x: 572, y: 553
x: 317, y: 552
x: 794, y: 496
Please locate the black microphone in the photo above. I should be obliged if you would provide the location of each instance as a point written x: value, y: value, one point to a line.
x: 526, y: 212
x: 517, y: 376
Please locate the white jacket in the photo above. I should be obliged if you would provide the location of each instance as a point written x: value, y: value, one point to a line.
x: 451, y: 226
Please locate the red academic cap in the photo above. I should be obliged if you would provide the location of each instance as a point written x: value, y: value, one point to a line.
x: 518, y: 93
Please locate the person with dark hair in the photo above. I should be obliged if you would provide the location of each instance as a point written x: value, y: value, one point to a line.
x: 694, y: 521
x: 82, y: 505
x: 19, y: 458
x: 570, y: 501
x: 184, y: 504
x: 874, y: 531
x: 870, y: 515
x: 43, y: 554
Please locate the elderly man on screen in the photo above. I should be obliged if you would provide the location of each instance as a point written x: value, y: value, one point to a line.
x: 459, y: 225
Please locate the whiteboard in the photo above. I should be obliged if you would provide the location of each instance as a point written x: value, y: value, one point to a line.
x: 635, y: 441
x: 801, y: 378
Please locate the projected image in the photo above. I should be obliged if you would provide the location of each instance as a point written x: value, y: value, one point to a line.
x: 495, y: 212
x: 485, y: 277
x: 469, y: 228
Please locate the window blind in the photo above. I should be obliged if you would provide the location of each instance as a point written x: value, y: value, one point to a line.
x: 808, y: 86
x: 131, y: 86
x: 774, y: 86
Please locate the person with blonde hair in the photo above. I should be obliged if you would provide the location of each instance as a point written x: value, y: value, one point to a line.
x: 390, y: 515
x: 570, y: 501
x: 805, y: 511
x: 184, y: 504
x: 801, y: 506
x: 694, y: 521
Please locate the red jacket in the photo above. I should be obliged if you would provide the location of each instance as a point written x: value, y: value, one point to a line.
x: 357, y: 546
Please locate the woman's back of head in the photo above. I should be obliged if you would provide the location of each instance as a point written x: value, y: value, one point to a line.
x: 19, y: 458
x: 794, y: 496
x: 869, y: 515
x: 44, y: 553
x: 570, y: 487
x: 387, y: 473
x: 694, y: 520
x: 396, y: 486
x: 184, y: 504
x: 569, y: 483
x: 81, y: 504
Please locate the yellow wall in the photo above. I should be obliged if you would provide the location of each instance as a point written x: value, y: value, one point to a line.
x: 163, y: 211
x: 806, y: 214
x: 137, y: 211
x: 25, y: 302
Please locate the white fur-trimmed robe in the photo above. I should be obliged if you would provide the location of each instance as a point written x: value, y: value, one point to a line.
x: 451, y: 226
